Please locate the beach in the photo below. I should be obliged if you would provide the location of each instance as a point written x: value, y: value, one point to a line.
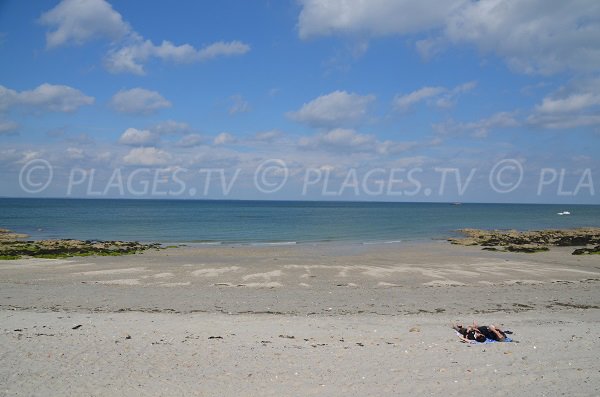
x: 300, y: 198
x: 306, y: 319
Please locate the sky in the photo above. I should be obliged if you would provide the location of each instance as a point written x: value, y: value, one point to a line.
x: 379, y: 100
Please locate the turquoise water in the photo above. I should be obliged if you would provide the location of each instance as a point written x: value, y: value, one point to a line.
x: 248, y: 222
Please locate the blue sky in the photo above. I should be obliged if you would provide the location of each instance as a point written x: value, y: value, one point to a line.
x: 343, y: 98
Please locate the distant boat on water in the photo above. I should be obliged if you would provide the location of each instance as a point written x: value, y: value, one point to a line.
x: 563, y: 213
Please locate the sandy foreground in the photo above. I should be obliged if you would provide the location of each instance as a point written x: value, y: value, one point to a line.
x: 300, y: 320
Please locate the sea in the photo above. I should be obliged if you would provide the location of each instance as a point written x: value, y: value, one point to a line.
x: 275, y: 222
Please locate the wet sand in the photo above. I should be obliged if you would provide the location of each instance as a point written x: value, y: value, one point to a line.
x: 299, y: 320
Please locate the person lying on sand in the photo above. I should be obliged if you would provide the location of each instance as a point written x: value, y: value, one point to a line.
x: 480, y: 333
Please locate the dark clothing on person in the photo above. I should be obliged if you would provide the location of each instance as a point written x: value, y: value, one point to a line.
x: 489, y: 334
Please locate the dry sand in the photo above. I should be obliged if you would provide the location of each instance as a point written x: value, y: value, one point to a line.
x: 300, y: 320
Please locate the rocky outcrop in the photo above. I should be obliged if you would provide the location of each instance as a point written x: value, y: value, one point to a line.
x: 531, y: 241
x: 7, y: 235
x: 13, y: 247
x: 587, y: 251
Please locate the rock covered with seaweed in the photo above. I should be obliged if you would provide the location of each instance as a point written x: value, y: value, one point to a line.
x: 14, y: 246
x: 532, y: 241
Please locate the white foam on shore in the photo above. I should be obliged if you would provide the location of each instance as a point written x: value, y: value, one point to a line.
x: 275, y: 243
x: 381, y: 242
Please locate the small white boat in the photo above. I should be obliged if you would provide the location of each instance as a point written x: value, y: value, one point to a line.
x: 563, y: 213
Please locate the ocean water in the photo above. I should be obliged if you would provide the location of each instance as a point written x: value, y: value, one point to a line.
x: 274, y: 222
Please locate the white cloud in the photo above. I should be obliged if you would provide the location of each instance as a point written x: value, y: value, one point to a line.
x: 572, y: 103
x: 267, y: 136
x: 479, y: 128
x: 138, y: 101
x: 78, y: 21
x: 346, y: 137
x: 532, y: 36
x: 74, y: 153
x: 563, y: 122
x: 135, y: 137
x: 575, y: 105
x: 54, y: 98
x: 171, y: 127
x: 372, y: 17
x: 221, y: 49
x: 8, y: 156
x: 131, y: 57
x: 81, y: 139
x: 224, y: 138
x: 8, y: 98
x: 240, y: 105
x: 8, y: 127
x: 404, y: 102
x: 190, y: 140
x: 430, y: 47
x: 147, y: 156
x: 391, y: 148
x: 343, y: 140
x: 410, y: 162
x: 444, y: 97
x: 336, y: 109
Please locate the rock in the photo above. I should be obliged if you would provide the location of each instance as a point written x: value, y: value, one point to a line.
x: 10, y: 248
x: 530, y: 241
x: 527, y: 248
x: 7, y: 235
x: 587, y: 251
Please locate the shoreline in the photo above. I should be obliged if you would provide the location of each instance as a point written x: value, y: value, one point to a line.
x: 587, y: 239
